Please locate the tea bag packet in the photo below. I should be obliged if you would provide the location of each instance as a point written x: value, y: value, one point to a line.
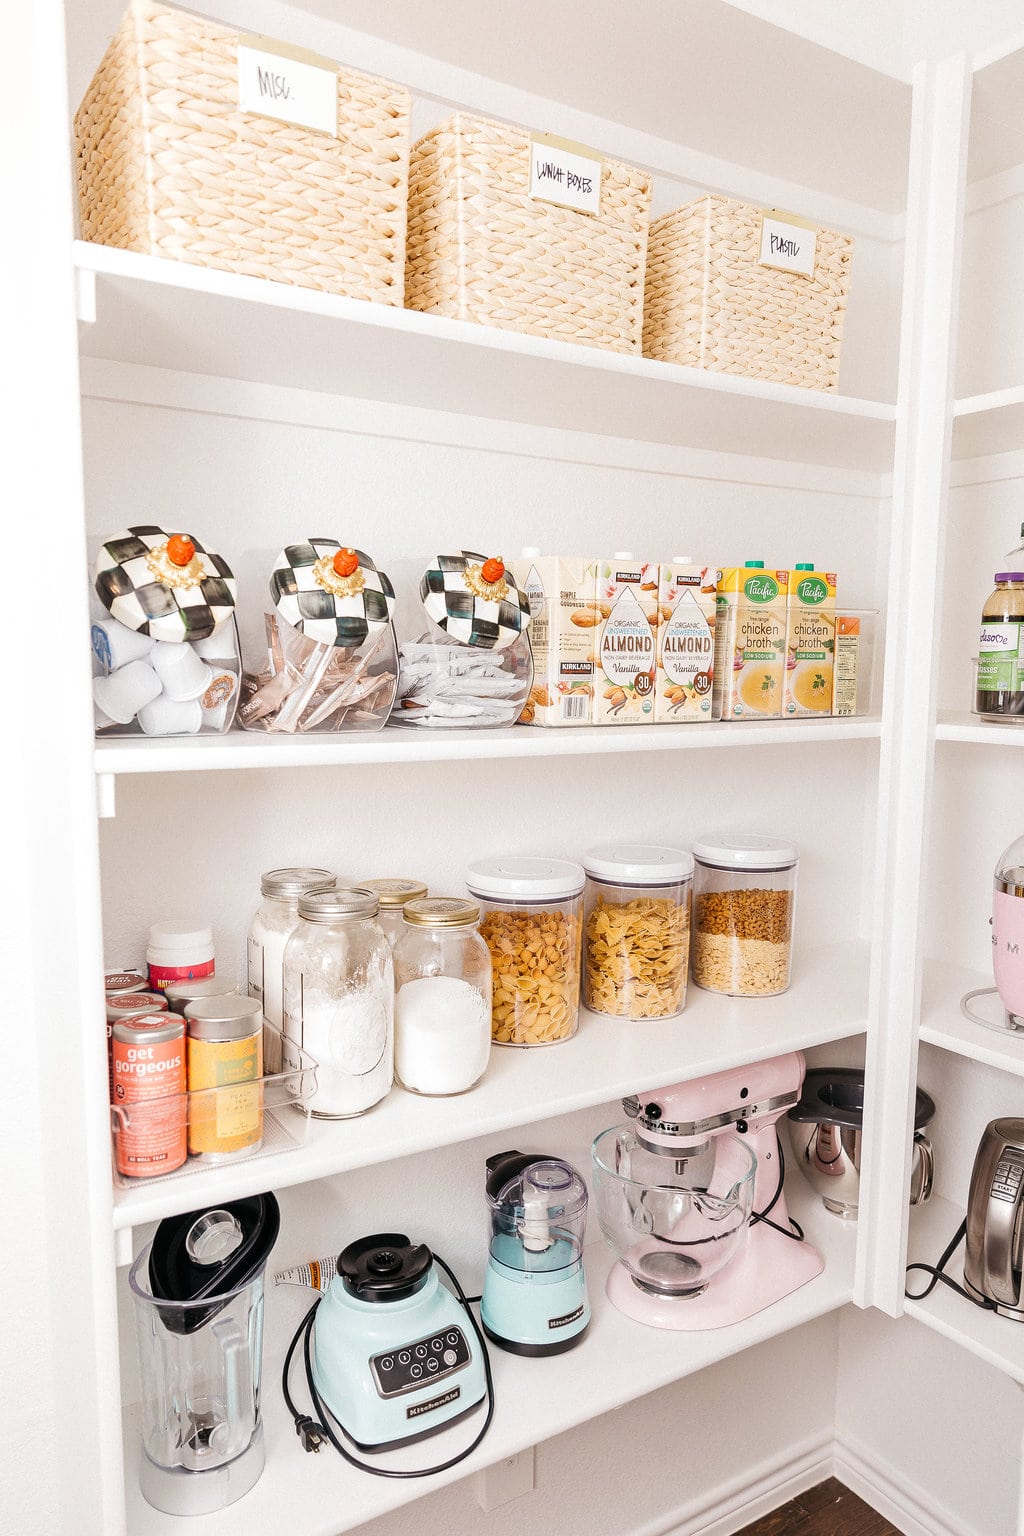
x: 331, y: 661
x: 164, y: 640
x: 473, y: 666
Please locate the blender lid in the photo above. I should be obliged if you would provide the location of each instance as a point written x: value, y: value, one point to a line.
x: 638, y: 863
x: 745, y: 850
x: 211, y: 1252
x: 835, y: 1096
x: 384, y: 1267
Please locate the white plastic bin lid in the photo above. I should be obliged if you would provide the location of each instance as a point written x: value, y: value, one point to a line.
x: 529, y: 879
x: 638, y: 863
x: 745, y: 850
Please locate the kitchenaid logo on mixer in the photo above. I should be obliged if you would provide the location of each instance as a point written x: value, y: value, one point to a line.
x: 435, y: 1402
x: 566, y: 1318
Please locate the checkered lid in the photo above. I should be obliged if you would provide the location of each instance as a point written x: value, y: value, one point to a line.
x: 331, y: 593
x: 475, y: 600
x: 148, y: 590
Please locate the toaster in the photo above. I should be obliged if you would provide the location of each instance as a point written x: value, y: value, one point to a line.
x: 995, y: 1228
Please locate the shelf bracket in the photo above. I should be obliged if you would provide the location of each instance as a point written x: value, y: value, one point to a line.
x: 85, y: 296
x: 106, y: 796
x: 122, y: 1246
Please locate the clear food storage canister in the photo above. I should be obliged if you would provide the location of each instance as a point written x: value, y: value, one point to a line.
x: 272, y: 926
x: 339, y: 997
x: 392, y: 895
x: 744, y: 889
x: 533, y: 910
x: 442, y: 997
x: 636, y: 930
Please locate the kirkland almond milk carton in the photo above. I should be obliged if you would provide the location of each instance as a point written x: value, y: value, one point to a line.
x: 686, y: 642
x: 626, y: 597
x: 750, y: 641
x: 810, y: 642
x: 564, y: 625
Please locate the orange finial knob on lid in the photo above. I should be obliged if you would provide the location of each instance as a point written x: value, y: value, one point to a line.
x: 346, y: 562
x: 180, y: 549
x: 492, y: 570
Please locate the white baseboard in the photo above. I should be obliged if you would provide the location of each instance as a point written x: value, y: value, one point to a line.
x: 761, y: 1489
x: 887, y: 1489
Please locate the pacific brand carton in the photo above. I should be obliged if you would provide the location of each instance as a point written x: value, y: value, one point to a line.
x: 686, y: 643
x: 564, y: 624
x: 750, y: 641
x: 810, y: 642
x: 626, y: 599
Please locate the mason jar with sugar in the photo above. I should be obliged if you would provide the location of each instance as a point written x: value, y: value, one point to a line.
x: 442, y: 997
x: 272, y: 926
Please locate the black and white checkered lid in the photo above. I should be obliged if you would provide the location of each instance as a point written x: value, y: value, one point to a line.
x: 334, y: 617
x: 455, y: 598
x: 134, y: 593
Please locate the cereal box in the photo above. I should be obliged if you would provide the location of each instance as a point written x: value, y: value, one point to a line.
x: 686, y: 642
x: 564, y: 623
x: 810, y: 642
x: 750, y: 641
x: 626, y: 596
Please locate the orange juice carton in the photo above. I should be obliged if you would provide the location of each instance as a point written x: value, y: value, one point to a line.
x: 626, y: 599
x: 564, y: 623
x: 847, y: 664
x: 685, y: 671
x: 750, y: 641
x: 810, y: 642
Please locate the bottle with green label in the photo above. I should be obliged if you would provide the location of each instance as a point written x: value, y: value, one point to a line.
x: 1000, y: 687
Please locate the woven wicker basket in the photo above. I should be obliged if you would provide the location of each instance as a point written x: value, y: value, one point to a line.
x: 168, y: 165
x: 480, y: 248
x: 709, y: 304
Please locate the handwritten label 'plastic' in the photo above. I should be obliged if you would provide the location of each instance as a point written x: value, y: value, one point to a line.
x: 563, y: 173
x: 788, y: 247
x: 292, y: 90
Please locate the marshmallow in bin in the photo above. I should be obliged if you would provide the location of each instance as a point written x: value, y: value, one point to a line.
x: 164, y: 640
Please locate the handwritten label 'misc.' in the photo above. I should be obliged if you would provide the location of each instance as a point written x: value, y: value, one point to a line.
x: 288, y: 89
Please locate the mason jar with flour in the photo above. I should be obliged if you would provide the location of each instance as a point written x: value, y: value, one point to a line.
x: 339, y: 1000
x: 272, y: 926
x: 442, y: 997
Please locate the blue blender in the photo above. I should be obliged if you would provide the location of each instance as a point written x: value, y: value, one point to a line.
x: 535, y: 1290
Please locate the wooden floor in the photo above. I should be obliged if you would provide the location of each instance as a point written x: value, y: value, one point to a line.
x: 828, y: 1510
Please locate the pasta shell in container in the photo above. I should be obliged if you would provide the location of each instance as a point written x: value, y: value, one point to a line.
x: 636, y: 930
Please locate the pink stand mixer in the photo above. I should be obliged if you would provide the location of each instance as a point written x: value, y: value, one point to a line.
x: 690, y: 1199
x: 1007, y: 947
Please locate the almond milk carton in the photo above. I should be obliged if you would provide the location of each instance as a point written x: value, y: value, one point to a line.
x: 564, y: 624
x: 750, y: 641
x: 626, y: 598
x: 686, y: 642
x: 810, y: 642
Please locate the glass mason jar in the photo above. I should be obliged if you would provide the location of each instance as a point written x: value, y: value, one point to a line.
x: 392, y: 895
x: 272, y: 926
x: 339, y: 998
x: 533, y: 928
x: 442, y: 997
x: 744, y: 893
x: 636, y: 930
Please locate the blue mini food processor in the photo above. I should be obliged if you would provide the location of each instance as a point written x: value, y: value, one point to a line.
x: 394, y: 1357
x: 535, y: 1290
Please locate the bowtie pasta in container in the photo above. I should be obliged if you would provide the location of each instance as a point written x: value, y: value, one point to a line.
x: 532, y: 925
x: 636, y: 945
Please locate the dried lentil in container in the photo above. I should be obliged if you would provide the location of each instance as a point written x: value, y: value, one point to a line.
x: 743, y: 915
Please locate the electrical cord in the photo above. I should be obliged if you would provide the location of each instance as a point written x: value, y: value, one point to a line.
x: 795, y: 1231
x: 938, y: 1276
x: 312, y: 1432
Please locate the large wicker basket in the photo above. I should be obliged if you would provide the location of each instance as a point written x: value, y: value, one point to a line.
x: 480, y: 248
x: 169, y: 165
x: 709, y: 304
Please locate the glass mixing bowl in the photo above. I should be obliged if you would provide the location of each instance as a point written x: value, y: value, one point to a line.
x: 672, y: 1222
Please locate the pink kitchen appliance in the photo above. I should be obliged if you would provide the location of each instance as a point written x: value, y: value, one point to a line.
x: 1007, y: 947
x: 690, y: 1198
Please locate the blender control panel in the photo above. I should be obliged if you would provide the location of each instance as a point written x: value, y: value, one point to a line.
x: 420, y: 1363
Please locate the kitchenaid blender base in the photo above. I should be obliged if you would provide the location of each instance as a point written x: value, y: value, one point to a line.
x: 177, y: 1491
x: 536, y: 1351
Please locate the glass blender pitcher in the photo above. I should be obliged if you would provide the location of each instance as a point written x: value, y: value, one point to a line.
x: 535, y: 1291
x: 198, y: 1294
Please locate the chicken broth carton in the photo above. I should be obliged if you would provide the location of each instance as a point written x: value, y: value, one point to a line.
x: 626, y: 598
x: 564, y: 624
x: 810, y: 642
x: 684, y: 679
x: 751, y: 611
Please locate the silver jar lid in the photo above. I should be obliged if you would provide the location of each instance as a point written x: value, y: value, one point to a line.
x: 224, y: 1018
x: 180, y: 993
x: 295, y: 880
x: 441, y: 912
x: 394, y: 893
x: 343, y: 904
x: 153, y: 1028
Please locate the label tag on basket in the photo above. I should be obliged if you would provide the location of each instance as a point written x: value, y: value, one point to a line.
x: 787, y: 243
x: 289, y: 84
x: 564, y: 173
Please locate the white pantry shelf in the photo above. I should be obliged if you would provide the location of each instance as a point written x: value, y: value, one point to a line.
x: 943, y: 1024
x: 607, y: 1059
x: 617, y: 1361
x: 988, y: 423
x: 961, y: 725
x: 166, y: 314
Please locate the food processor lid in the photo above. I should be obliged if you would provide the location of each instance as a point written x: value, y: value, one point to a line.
x: 210, y: 1254
x: 528, y: 879
x: 638, y: 863
x: 384, y: 1267
x: 835, y: 1096
x: 745, y: 850
x: 521, y: 1181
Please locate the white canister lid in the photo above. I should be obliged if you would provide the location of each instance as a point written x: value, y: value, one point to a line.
x: 177, y: 933
x: 745, y: 850
x: 638, y: 863
x: 526, y: 878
